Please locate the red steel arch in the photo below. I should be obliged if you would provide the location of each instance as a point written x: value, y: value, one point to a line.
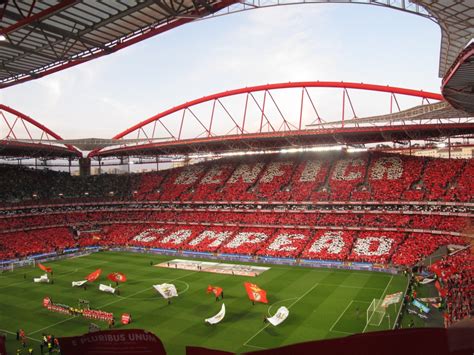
x: 268, y: 99
x: 305, y: 84
x: 43, y: 143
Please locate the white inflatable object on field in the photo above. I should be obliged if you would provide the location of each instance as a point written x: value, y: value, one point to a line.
x: 218, y: 317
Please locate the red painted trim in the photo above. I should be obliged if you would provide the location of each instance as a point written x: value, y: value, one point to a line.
x: 39, y: 16
x: 468, y: 52
x: 38, y: 125
x: 304, y: 84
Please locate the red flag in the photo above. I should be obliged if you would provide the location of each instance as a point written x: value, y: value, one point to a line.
x: 255, y: 293
x: 442, y: 291
x: 435, y: 267
x: 117, y: 277
x: 94, y: 275
x: 44, y: 268
x: 449, y: 271
x: 216, y: 290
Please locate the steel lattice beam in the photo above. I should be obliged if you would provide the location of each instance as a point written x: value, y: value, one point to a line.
x: 402, y: 125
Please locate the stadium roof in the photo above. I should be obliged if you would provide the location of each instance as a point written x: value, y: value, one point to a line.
x: 43, y: 37
x: 42, y: 142
x: 458, y: 85
x: 456, y: 19
x: 292, y: 139
x: 428, y: 121
x: 18, y: 149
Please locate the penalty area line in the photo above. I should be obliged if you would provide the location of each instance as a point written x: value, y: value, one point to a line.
x: 343, y: 312
x: 340, y: 316
x: 383, y: 293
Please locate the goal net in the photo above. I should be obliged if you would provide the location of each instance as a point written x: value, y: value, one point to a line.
x: 11, y: 266
x: 375, y: 312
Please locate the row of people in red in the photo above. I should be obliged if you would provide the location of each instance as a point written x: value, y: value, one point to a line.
x: 384, y: 247
x: 98, y: 315
x: 306, y: 177
x: 320, y: 218
x: 456, y: 277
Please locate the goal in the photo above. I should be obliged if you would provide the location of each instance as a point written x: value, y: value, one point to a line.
x: 10, y: 266
x: 375, y: 312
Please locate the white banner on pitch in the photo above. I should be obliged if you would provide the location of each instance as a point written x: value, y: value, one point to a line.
x: 78, y: 283
x: 279, y: 316
x: 106, y: 288
x: 42, y: 279
x: 166, y: 290
x: 218, y: 317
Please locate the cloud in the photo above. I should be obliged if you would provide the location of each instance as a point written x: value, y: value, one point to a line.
x: 280, y: 44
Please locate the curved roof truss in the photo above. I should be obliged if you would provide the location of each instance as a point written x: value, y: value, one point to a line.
x: 22, y: 136
x: 290, y: 115
x: 458, y: 84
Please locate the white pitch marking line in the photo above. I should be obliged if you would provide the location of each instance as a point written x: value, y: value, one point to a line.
x: 149, y: 288
x: 58, y: 274
x: 107, y: 304
x: 148, y: 298
x: 340, y: 316
x: 52, y: 325
x: 340, y: 331
x: 291, y: 305
x: 288, y: 299
x: 383, y: 293
x: 345, y: 310
x: 7, y: 331
x: 355, y: 287
x: 254, y: 346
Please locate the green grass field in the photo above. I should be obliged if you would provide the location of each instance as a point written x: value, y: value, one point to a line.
x: 323, y: 303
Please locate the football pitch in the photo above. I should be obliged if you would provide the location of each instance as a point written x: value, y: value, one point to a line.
x: 323, y: 303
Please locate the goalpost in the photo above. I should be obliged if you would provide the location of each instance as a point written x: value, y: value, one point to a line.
x: 375, y: 312
x: 17, y: 264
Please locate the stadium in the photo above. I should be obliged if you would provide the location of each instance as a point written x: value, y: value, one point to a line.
x: 288, y: 217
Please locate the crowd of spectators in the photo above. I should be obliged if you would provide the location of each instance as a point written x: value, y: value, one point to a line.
x: 384, y: 247
x: 305, y: 177
x: 417, y: 246
x: 19, y: 184
x: 205, y: 208
x: 20, y: 244
x: 255, y: 216
x: 375, y: 247
x: 456, y: 284
x: 329, y: 245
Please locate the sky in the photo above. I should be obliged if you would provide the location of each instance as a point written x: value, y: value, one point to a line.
x: 333, y: 42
